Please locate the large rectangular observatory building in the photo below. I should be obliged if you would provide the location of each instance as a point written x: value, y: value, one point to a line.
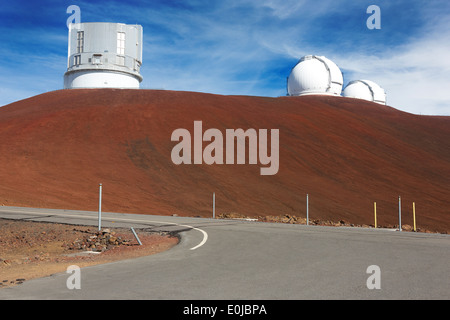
x: 104, y: 55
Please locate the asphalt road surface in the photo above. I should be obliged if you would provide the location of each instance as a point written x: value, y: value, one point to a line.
x: 232, y: 259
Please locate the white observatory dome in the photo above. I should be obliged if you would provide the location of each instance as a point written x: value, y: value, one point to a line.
x: 365, y: 89
x: 315, y: 75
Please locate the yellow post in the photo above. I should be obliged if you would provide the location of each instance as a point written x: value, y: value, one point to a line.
x: 375, y: 212
x: 414, y: 215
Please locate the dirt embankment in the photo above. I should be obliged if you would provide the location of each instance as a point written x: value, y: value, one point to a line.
x: 36, y: 249
x: 56, y: 148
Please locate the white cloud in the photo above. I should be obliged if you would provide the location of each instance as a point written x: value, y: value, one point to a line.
x: 416, y: 76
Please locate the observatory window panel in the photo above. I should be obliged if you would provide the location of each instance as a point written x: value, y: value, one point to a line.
x: 121, y: 43
x: 97, y: 59
x: 77, y: 60
x: 80, y: 41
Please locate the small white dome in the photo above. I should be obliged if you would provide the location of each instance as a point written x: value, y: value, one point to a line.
x: 365, y: 89
x: 315, y: 75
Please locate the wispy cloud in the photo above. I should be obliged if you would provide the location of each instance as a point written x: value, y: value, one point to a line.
x: 416, y: 75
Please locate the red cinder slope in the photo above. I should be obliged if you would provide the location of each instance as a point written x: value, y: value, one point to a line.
x: 57, y: 147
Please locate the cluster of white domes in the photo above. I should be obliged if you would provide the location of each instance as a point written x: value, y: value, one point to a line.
x: 319, y: 75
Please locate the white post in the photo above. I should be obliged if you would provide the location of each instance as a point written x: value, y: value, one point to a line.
x: 100, y: 208
x: 136, y: 236
x: 399, y: 214
x: 307, y: 209
x: 214, y: 205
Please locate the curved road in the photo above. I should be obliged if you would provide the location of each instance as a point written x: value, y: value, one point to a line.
x: 231, y: 259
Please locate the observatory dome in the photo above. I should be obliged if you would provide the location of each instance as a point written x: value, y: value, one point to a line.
x: 315, y: 75
x: 365, y: 89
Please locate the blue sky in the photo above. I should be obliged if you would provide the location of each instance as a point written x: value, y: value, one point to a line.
x: 243, y: 47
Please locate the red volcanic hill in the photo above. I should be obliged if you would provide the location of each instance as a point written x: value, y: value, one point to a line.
x: 55, y: 148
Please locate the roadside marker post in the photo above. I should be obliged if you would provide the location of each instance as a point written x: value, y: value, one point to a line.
x: 399, y: 214
x: 214, y: 205
x: 136, y: 236
x: 100, y: 208
x: 375, y: 212
x: 307, y: 209
x: 414, y: 215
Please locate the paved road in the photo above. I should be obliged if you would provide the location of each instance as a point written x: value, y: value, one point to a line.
x: 229, y: 259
